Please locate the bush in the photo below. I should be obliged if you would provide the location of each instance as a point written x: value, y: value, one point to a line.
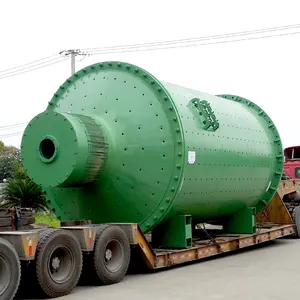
x: 23, y: 193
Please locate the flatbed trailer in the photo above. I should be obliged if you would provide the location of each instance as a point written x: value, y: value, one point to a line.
x: 217, y: 243
x: 25, y: 244
x: 55, y: 260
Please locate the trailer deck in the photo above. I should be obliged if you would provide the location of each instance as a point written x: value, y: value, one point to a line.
x: 25, y: 242
x: 217, y: 243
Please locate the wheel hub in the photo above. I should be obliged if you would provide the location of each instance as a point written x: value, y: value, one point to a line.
x: 108, y: 254
x: 113, y: 256
x: 55, y: 263
x: 60, y: 264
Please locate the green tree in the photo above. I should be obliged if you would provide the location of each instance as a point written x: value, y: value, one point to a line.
x: 7, y: 167
x: 2, y: 147
x: 19, y: 172
x: 20, y: 190
x: 23, y: 192
x: 10, y: 161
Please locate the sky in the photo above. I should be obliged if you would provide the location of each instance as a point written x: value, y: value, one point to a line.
x: 265, y: 71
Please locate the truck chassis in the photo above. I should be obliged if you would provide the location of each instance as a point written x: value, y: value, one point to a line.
x: 55, y: 260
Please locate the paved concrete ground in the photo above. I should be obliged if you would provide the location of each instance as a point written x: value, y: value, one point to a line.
x: 262, y: 273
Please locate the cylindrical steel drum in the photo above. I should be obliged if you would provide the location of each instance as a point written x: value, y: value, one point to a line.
x: 115, y: 144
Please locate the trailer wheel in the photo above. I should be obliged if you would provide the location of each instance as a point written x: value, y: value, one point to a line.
x: 296, y: 217
x: 10, y: 270
x: 111, y: 254
x: 58, y: 262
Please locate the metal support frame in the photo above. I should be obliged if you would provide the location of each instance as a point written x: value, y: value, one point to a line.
x: 175, y: 233
x: 243, y: 222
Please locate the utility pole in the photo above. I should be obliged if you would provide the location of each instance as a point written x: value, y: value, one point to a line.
x: 72, y: 53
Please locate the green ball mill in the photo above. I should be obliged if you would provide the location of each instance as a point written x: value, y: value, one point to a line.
x: 115, y: 144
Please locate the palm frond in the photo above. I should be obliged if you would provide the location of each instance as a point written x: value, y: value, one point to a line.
x: 23, y: 193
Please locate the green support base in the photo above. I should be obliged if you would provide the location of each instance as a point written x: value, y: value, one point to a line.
x: 242, y: 223
x: 175, y: 233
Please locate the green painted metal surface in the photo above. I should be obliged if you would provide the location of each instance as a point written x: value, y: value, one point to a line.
x: 175, y: 233
x: 117, y: 145
x: 242, y: 222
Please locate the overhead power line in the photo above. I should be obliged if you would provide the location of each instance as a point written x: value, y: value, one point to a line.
x: 55, y: 58
x: 171, y: 44
x: 189, y: 40
x: 4, y: 73
x: 35, y: 67
x: 162, y: 47
x: 7, y: 135
x: 13, y: 125
x: 30, y: 63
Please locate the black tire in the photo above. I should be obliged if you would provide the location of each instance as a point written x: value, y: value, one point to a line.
x: 111, y: 240
x: 10, y: 270
x: 57, y: 249
x: 296, y: 217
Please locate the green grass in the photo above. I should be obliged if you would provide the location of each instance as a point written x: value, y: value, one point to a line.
x: 48, y: 220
